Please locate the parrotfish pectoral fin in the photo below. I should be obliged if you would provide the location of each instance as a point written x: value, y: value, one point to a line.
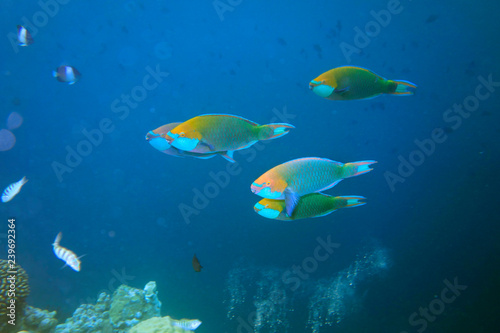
x: 291, y: 201
x: 279, y: 129
x: 209, y: 145
x: 342, y: 90
x: 363, y: 167
x: 404, y: 88
x: 228, y: 156
x: 353, y: 201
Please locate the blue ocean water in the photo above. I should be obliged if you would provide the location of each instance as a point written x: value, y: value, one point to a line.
x: 430, y: 222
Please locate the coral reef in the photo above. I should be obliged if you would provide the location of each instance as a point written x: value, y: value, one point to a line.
x: 158, y: 325
x: 37, y: 320
x: 89, y: 318
x: 131, y: 305
x: 128, y: 310
x: 21, y: 290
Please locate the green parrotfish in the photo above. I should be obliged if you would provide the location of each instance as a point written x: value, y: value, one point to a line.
x: 348, y: 83
x: 310, y: 205
x: 293, y: 179
x: 212, y: 133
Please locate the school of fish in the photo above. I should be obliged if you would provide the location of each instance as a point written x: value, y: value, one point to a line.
x: 291, y: 190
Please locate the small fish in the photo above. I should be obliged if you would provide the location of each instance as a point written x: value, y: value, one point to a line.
x: 187, y: 324
x: 66, y: 74
x: 23, y: 36
x: 196, y: 264
x: 293, y: 179
x: 211, y: 133
x: 158, y: 138
x: 13, y: 189
x: 68, y: 256
x: 348, y: 83
x: 310, y: 205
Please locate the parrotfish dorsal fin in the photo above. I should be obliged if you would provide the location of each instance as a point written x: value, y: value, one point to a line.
x: 230, y: 116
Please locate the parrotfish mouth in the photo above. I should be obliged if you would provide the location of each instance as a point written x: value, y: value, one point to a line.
x: 157, y: 141
x: 151, y: 135
x: 320, y: 88
x: 182, y: 143
x: 265, y: 192
x: 265, y: 212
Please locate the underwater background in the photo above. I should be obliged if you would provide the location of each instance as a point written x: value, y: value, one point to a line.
x: 431, y: 218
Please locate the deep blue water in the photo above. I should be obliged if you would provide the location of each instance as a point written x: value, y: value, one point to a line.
x: 120, y: 204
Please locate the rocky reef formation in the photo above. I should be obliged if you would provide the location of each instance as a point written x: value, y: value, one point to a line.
x: 37, y: 320
x: 89, y: 318
x: 127, y: 310
x: 17, y: 289
x: 131, y: 305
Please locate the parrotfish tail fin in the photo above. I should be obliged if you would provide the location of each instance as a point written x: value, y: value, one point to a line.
x: 58, y: 239
x: 404, y: 88
x: 54, y: 74
x: 362, y: 167
x: 279, y: 129
x: 291, y: 201
x: 228, y: 156
x: 24, y: 180
x: 353, y: 201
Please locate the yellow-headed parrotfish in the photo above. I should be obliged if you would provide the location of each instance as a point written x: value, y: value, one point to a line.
x: 348, y: 82
x: 310, y: 205
x: 158, y: 138
x: 222, y: 133
x: 293, y: 179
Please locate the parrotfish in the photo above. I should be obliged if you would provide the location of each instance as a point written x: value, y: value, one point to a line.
x: 293, y: 179
x: 66, y: 74
x: 222, y: 133
x: 159, y: 139
x: 23, y: 36
x: 13, y: 189
x: 348, y: 82
x: 68, y: 256
x: 310, y: 205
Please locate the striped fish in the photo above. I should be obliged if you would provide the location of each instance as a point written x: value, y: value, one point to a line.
x: 68, y: 256
x: 187, y: 324
x: 12, y: 190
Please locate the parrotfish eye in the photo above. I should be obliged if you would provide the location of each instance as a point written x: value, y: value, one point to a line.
x: 182, y: 134
x: 268, y: 183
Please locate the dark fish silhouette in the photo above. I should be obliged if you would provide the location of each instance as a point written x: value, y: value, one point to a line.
x: 196, y: 264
